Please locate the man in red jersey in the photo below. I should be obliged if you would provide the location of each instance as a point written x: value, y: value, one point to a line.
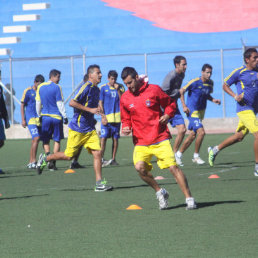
x: 145, y: 110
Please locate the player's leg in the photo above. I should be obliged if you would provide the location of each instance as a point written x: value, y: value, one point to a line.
x: 75, y: 163
x: 198, y: 142
x: 181, y: 130
x: 115, y: 136
x: 91, y: 142
x: 104, y: 135
x: 165, y: 156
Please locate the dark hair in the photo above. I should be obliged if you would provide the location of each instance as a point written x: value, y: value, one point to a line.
x: 128, y: 71
x: 85, y: 77
x: 112, y: 73
x: 177, y: 59
x: 39, y: 78
x: 205, y: 66
x: 248, y: 53
x: 91, y: 68
x: 54, y: 73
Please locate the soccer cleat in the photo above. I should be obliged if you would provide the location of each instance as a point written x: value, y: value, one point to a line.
x: 212, y: 156
x: 179, y: 161
x: 162, y: 196
x: 41, y: 163
x: 106, y: 163
x: 1, y: 171
x: 256, y: 173
x: 102, y: 187
x: 190, y: 203
x: 32, y: 165
x: 76, y: 164
x: 198, y: 161
x: 113, y: 162
x: 52, y: 165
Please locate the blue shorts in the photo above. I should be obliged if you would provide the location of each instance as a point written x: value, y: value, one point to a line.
x: 194, y: 123
x: 34, y: 131
x: 177, y: 119
x: 2, y: 134
x: 51, y: 128
x: 110, y: 130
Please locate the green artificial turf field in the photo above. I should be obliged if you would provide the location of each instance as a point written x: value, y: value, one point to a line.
x: 59, y: 215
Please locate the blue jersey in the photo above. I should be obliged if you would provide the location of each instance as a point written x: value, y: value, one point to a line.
x: 198, y: 93
x: 29, y: 101
x: 111, y: 103
x: 88, y: 96
x: 246, y: 82
x: 48, y: 93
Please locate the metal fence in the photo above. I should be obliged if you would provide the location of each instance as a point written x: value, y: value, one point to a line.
x: 18, y: 73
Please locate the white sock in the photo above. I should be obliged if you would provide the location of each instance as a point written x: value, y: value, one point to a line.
x: 196, y: 155
x: 215, y: 150
x: 179, y: 154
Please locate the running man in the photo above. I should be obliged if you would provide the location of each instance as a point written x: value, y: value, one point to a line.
x: 246, y: 80
x: 30, y: 118
x: 82, y: 130
x: 109, y: 103
x: 142, y: 114
x: 50, y: 107
x: 199, y: 91
x: 171, y: 85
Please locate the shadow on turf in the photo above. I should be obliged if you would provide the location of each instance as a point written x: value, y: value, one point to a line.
x: 22, y: 197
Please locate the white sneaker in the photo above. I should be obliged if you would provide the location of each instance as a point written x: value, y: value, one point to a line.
x: 198, y: 161
x: 162, y: 196
x: 190, y: 203
x: 256, y: 173
x: 179, y: 161
x: 106, y: 163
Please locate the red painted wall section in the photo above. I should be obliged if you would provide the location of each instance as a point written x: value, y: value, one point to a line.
x: 200, y: 16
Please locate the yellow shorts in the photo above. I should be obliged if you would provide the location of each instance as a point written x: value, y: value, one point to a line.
x: 162, y: 151
x: 75, y: 140
x: 247, y: 122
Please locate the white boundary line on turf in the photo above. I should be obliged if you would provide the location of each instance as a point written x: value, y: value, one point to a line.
x: 219, y: 171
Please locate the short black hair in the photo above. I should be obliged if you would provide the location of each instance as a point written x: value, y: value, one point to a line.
x: 54, y: 73
x: 128, y: 71
x: 39, y: 78
x: 91, y: 68
x: 248, y: 53
x: 112, y: 73
x: 205, y: 66
x: 177, y: 59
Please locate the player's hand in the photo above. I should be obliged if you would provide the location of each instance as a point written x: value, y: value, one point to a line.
x: 239, y: 98
x: 104, y: 120
x: 217, y: 101
x: 7, y: 124
x: 126, y: 130
x: 186, y: 110
x: 116, y: 86
x: 95, y: 111
x: 24, y: 124
x: 65, y: 120
x: 164, y: 119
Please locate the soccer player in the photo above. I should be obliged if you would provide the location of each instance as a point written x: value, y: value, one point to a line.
x: 246, y: 80
x: 50, y: 107
x: 109, y: 102
x: 30, y: 117
x: 171, y: 85
x: 3, y: 116
x: 82, y: 130
x: 199, y: 91
x: 145, y: 111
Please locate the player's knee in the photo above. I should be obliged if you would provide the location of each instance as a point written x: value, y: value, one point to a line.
x: 140, y: 168
x: 182, y: 131
x: 201, y: 133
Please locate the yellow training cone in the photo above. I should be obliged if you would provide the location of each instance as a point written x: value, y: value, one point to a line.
x: 69, y: 171
x: 134, y: 207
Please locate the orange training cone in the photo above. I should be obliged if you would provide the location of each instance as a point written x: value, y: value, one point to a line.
x: 69, y: 171
x: 213, y: 176
x: 134, y: 207
x: 159, y: 178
